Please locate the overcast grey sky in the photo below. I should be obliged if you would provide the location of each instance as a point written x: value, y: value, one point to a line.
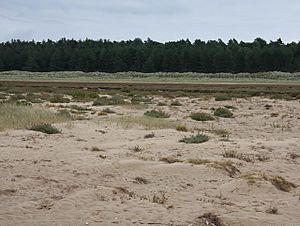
x: 161, y: 20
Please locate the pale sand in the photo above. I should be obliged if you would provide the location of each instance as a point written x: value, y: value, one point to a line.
x: 58, y: 180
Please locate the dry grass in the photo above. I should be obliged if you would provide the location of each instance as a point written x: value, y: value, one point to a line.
x: 20, y: 117
x: 227, y: 166
x: 170, y: 159
x: 145, y: 122
x: 236, y: 155
x: 279, y: 182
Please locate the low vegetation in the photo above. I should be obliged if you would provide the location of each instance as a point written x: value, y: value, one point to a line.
x: 156, y: 114
x: 223, y: 112
x: 201, y: 116
x: 21, y: 117
x: 142, y: 121
x: 195, y: 139
x: 45, y: 128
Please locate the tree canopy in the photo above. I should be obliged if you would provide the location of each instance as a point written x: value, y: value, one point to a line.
x: 150, y: 56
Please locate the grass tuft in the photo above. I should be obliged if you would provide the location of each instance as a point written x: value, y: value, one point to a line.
x: 195, y: 139
x: 45, y: 128
x: 223, y: 112
x: 156, y: 114
x: 201, y: 116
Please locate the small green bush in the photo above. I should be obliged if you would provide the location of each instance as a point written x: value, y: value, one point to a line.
x: 45, y: 128
x: 156, y: 114
x: 223, y: 98
x: 59, y: 99
x: 195, y: 139
x: 176, y: 103
x: 223, y: 112
x: 103, y: 101
x: 201, y: 116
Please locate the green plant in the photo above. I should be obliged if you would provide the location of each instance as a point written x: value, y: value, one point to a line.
x: 223, y: 97
x: 45, y: 128
x: 156, y: 114
x: 195, y: 139
x: 59, y: 99
x: 161, y: 104
x: 223, y: 112
x: 102, y: 101
x: 176, y: 103
x: 201, y: 116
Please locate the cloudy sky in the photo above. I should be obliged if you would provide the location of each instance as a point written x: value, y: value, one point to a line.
x: 161, y: 20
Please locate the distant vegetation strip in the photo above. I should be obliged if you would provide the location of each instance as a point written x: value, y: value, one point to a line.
x: 213, y: 56
x: 153, y: 77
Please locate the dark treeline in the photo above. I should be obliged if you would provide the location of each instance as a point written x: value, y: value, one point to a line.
x: 150, y: 56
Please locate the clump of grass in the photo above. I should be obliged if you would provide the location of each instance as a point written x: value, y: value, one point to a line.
x: 201, y: 116
x: 20, y: 117
x: 59, y: 99
x: 141, y: 180
x: 279, y: 182
x: 223, y: 112
x: 229, y: 107
x: 236, y: 155
x: 150, y: 135
x: 23, y: 103
x: 223, y: 97
x: 45, y: 128
x: 159, y: 198
x: 162, y: 104
x: 182, y: 128
x: 108, y: 111
x: 156, y: 114
x: 170, y: 159
x: 146, y: 122
x: 84, y: 95
x: 96, y: 149
x: 272, y: 210
x: 227, y: 166
x: 195, y: 139
x: 103, y: 101
x: 199, y: 161
x: 209, y: 219
x: 176, y: 103
x: 137, y: 148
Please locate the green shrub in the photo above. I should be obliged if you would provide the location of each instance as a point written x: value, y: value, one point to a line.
x: 176, y: 103
x: 223, y: 98
x: 84, y: 95
x: 156, y: 114
x: 161, y: 104
x: 223, y: 112
x: 59, y: 99
x: 195, y: 139
x: 103, y: 101
x: 45, y: 128
x: 201, y: 116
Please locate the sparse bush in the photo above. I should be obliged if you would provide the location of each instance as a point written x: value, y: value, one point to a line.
x: 103, y: 101
x: 137, y: 148
x: 195, y: 139
x: 170, y: 159
x: 229, y: 107
x: 150, y: 135
x: 59, y: 99
x: 96, y: 149
x: 19, y: 117
x: 201, y: 116
x: 156, y: 114
x: 108, y: 111
x: 182, y: 128
x: 240, y: 156
x: 45, y: 128
x: 176, y: 103
x: 223, y: 97
x: 223, y: 112
x: 161, y: 104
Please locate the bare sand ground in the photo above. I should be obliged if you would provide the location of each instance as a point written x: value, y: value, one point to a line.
x: 59, y: 180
